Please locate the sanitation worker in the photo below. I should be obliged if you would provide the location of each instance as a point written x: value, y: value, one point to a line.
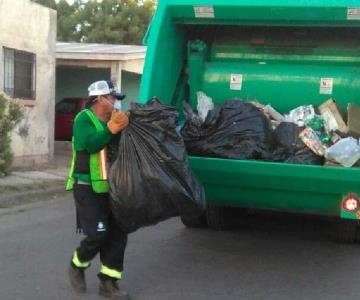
x: 88, y: 178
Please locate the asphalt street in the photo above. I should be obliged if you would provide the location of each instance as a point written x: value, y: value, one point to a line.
x: 266, y: 257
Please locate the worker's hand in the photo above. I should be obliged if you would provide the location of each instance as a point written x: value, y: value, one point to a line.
x: 117, y: 122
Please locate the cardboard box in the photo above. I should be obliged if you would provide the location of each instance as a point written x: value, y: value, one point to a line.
x: 275, y: 115
x: 331, y: 163
x: 335, y: 138
x: 309, y: 137
x: 332, y: 116
x: 354, y: 120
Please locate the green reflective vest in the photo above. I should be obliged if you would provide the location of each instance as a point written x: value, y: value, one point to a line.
x: 98, y: 163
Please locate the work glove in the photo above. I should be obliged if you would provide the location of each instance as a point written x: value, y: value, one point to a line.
x: 118, y: 121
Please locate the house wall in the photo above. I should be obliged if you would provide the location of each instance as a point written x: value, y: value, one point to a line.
x: 27, y: 26
x: 73, y: 81
x: 130, y: 86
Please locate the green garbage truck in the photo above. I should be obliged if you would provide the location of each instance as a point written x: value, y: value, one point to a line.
x: 284, y: 53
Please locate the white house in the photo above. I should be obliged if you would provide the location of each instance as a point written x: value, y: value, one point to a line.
x: 27, y: 72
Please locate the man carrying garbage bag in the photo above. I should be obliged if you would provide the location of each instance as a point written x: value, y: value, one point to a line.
x: 92, y: 131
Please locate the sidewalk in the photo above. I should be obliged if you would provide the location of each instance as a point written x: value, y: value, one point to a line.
x: 22, y: 187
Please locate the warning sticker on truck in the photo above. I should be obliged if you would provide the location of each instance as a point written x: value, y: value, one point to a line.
x: 236, y: 81
x: 353, y: 13
x: 326, y: 86
x: 204, y: 12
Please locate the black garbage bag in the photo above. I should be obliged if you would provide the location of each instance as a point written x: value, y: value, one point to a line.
x: 290, y: 149
x: 235, y: 129
x: 150, y: 180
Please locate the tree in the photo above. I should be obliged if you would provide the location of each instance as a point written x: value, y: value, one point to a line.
x: 113, y: 21
x: 66, y: 22
x: 106, y: 21
x: 11, y: 114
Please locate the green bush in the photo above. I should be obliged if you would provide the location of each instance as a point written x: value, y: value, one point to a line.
x: 11, y: 113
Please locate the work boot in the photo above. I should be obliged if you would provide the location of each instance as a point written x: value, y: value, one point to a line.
x: 115, y: 285
x: 77, y: 279
x: 109, y: 288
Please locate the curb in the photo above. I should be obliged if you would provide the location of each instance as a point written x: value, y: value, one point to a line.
x: 48, y: 190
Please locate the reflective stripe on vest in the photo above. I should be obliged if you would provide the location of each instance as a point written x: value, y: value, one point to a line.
x: 71, y: 180
x: 98, y: 162
x: 103, y: 165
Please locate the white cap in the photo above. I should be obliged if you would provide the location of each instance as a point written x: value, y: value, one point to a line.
x: 103, y: 87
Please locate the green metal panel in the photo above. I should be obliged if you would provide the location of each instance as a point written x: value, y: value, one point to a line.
x: 164, y: 57
x: 283, y: 67
x: 270, y: 13
x: 311, y: 189
x: 285, y: 86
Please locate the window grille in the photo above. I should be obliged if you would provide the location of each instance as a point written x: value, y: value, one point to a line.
x: 19, y: 74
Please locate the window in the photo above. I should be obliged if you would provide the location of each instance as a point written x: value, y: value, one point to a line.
x: 19, y: 74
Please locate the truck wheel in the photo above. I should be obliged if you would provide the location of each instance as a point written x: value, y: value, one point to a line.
x: 215, y: 216
x: 198, y: 222
x: 347, y: 230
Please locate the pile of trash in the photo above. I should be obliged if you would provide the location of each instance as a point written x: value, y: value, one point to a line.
x: 308, y: 134
x: 235, y: 130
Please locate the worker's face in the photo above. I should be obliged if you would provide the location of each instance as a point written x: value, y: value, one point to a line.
x: 107, y: 102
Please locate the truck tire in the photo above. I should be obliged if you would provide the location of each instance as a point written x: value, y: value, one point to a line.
x: 198, y: 222
x: 216, y: 217
x: 346, y: 230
